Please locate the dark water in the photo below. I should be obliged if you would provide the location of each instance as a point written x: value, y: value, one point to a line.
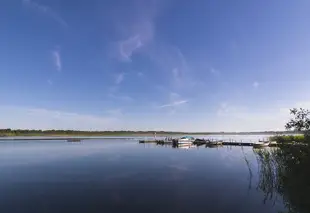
x: 124, y: 176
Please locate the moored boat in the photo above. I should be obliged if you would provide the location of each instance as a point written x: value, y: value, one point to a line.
x: 186, y: 140
x: 214, y: 143
x: 273, y: 143
x: 261, y: 145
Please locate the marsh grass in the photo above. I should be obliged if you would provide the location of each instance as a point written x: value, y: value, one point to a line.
x: 285, y: 172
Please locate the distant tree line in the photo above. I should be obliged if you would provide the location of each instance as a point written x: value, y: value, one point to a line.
x: 53, y: 132
x: 34, y: 132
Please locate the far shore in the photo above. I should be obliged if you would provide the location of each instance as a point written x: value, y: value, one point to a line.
x: 6, y: 133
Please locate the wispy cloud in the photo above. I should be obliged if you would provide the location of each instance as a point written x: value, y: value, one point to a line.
x: 173, y: 104
x: 137, y: 27
x: 255, y: 84
x: 177, y: 75
x: 137, y: 31
x: 119, y: 78
x: 50, y: 82
x: 46, y: 10
x: 128, y: 46
x: 174, y: 96
x: 57, y: 59
x: 114, y: 89
x: 173, y: 65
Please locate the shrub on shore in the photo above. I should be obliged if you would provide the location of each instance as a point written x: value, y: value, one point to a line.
x: 288, y: 138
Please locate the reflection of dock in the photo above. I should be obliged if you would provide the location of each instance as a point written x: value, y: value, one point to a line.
x: 149, y: 141
x: 155, y: 141
x: 161, y: 142
x: 222, y: 143
x: 236, y: 143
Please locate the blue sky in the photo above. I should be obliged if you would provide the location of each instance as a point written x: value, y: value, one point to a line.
x: 153, y: 64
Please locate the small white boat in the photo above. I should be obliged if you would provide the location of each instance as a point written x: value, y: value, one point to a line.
x: 261, y: 144
x: 273, y: 143
x: 186, y: 140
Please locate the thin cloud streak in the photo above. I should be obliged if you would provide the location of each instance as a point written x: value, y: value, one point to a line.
x: 175, y: 103
x: 119, y: 78
x: 46, y: 10
x: 57, y: 60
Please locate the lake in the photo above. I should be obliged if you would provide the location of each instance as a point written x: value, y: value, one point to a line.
x: 121, y: 175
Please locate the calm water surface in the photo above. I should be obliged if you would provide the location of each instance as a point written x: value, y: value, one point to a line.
x: 122, y: 175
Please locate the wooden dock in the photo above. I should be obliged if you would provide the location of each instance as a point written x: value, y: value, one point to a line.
x: 223, y: 143
x: 151, y: 141
x: 207, y: 143
x: 228, y: 143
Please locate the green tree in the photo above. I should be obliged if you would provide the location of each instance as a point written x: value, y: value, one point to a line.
x: 300, y: 122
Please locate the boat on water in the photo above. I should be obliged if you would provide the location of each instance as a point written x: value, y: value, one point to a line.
x: 262, y: 144
x: 186, y: 140
x: 273, y: 143
x: 214, y: 143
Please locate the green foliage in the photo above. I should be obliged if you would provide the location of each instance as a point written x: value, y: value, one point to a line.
x: 300, y: 122
x: 52, y: 132
x: 27, y: 132
x: 288, y: 138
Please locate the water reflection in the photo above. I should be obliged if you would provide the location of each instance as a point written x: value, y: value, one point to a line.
x: 283, y: 175
x: 118, y: 176
x: 285, y: 171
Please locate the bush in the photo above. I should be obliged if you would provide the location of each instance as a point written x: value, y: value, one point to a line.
x: 288, y: 138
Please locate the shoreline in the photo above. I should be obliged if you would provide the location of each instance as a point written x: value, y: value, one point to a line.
x: 124, y: 135
x: 60, y: 133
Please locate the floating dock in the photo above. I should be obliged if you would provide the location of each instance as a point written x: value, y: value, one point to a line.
x: 209, y: 143
x: 228, y: 143
x: 151, y: 141
x: 74, y: 140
